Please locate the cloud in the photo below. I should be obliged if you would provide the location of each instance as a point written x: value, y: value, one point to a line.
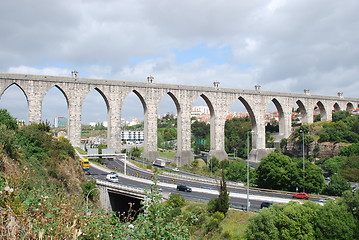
x: 292, y: 44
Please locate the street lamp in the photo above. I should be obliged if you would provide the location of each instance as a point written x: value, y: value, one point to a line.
x: 303, y: 157
x: 248, y: 203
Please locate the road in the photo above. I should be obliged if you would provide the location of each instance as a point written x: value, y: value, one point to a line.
x: 203, y: 188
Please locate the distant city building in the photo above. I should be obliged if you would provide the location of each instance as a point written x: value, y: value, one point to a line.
x: 20, y: 122
x: 132, y: 135
x: 134, y: 121
x: 60, y: 122
x: 94, y: 124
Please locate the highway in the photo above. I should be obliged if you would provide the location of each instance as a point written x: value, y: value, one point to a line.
x: 204, y: 188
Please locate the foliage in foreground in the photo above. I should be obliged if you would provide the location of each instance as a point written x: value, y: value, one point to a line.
x: 306, y: 221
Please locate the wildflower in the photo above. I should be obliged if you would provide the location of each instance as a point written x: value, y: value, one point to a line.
x: 131, y: 226
x: 7, y: 188
x: 88, y: 213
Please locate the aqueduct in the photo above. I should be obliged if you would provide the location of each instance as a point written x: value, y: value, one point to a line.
x: 150, y: 93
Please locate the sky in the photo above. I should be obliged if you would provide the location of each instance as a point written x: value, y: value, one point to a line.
x: 285, y: 46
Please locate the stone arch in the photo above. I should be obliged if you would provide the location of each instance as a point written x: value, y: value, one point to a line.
x: 249, y: 109
x: 349, y: 106
x: 209, y: 104
x: 322, y: 111
x: 24, y: 114
x: 55, y: 86
x: 105, y: 98
x: 336, y: 107
x: 175, y: 100
x: 17, y: 85
x: 253, y: 120
x: 139, y: 95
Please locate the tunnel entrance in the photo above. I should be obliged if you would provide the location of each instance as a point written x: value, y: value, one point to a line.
x: 126, y: 206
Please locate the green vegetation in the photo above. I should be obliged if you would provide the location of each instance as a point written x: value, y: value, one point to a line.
x: 278, y: 171
x: 235, y: 131
x: 307, y: 221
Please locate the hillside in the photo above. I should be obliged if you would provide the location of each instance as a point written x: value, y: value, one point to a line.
x: 323, y: 139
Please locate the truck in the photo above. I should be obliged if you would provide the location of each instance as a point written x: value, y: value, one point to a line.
x: 159, y: 163
x: 85, y: 164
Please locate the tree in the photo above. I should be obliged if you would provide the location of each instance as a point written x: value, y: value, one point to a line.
x: 8, y: 120
x: 223, y: 198
x: 342, y: 226
x: 156, y: 221
x: 333, y: 165
x: 213, y: 164
x: 220, y: 204
x: 236, y: 171
x: 352, y: 150
x: 336, y: 186
x: 350, y: 200
x: 277, y: 171
x: 289, y: 221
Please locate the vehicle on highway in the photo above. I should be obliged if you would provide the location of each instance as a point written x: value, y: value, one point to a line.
x: 159, y: 162
x: 324, y: 200
x: 112, y: 178
x: 184, y: 188
x: 266, y: 204
x: 85, y: 164
x: 114, y: 173
x: 175, y: 169
x: 301, y: 196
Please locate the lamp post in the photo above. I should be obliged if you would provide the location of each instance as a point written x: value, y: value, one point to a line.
x: 303, y: 157
x: 87, y: 198
x: 248, y: 203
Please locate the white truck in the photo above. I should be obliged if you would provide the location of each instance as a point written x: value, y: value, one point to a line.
x: 159, y: 163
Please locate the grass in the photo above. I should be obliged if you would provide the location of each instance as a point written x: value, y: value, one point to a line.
x: 169, y: 155
x: 233, y: 226
x: 236, y: 223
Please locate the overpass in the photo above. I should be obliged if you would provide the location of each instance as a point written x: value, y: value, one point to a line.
x: 218, y: 99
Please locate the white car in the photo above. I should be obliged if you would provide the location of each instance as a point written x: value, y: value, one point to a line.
x: 112, y: 178
x: 175, y: 169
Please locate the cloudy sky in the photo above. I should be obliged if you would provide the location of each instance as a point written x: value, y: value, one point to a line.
x: 282, y: 45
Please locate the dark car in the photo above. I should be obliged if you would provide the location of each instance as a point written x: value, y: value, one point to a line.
x: 266, y: 204
x: 301, y: 196
x: 184, y: 188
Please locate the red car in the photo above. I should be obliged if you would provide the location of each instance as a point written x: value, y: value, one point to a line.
x: 301, y: 196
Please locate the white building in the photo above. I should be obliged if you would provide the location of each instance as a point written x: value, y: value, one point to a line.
x: 132, y: 135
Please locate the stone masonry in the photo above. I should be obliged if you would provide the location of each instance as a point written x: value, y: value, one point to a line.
x: 219, y: 100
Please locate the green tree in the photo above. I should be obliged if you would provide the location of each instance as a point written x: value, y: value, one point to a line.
x: 176, y: 200
x: 220, y: 204
x: 236, y: 171
x: 289, y: 221
x: 277, y: 171
x: 223, y: 198
x: 213, y: 165
x: 333, y: 165
x: 336, y: 186
x: 350, y: 200
x: 156, y: 221
x: 235, y: 131
x: 352, y: 150
x: 7, y: 120
x: 342, y: 226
